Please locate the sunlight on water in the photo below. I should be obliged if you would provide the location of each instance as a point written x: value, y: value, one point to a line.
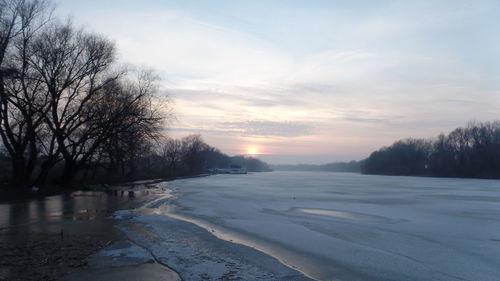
x: 342, y: 215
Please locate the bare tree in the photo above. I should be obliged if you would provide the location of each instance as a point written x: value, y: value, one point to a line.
x: 22, y: 99
x: 131, y: 120
x: 61, y: 97
x: 75, y: 66
x: 171, y: 156
x: 193, y: 146
x: 18, y: 17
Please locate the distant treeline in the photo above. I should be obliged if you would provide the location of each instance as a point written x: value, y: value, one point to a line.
x: 472, y: 152
x: 350, y: 167
x: 166, y: 159
x: 192, y: 156
x: 469, y: 152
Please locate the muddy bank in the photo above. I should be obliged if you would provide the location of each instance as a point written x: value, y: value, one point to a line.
x: 47, y: 256
x: 123, y: 261
x: 51, y: 237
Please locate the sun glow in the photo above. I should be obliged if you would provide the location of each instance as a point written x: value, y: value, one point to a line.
x: 252, y: 150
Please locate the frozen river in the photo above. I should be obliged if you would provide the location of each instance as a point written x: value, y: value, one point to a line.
x: 342, y: 226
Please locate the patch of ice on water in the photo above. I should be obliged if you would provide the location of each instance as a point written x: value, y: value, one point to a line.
x: 122, y: 214
x: 129, y: 250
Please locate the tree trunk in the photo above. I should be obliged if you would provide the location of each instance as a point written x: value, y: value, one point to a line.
x: 131, y: 175
x: 44, y: 171
x: 69, y: 173
x: 20, y: 177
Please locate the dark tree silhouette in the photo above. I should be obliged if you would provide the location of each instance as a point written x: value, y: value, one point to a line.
x: 471, y: 151
x: 64, y: 104
x: 23, y: 100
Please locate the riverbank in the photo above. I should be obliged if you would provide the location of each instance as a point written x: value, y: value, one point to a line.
x: 49, y: 256
x: 194, y: 252
x: 58, y: 236
x: 9, y: 194
x: 122, y: 234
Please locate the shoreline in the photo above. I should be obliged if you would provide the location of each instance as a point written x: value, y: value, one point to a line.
x: 121, y: 246
x: 229, y: 236
x: 11, y: 195
x: 59, y: 241
x: 211, y: 257
x: 54, y: 249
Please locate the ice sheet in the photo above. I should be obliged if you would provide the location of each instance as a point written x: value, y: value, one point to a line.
x: 342, y: 226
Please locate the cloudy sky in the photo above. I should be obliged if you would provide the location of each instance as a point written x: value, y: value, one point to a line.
x: 310, y: 81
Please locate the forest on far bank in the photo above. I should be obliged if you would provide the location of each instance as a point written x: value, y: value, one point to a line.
x: 472, y: 151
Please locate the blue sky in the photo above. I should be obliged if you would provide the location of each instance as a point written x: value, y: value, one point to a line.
x: 310, y: 81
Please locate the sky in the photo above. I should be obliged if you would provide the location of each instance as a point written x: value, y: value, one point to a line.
x: 310, y: 81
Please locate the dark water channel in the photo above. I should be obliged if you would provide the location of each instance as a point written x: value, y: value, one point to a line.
x: 76, y: 212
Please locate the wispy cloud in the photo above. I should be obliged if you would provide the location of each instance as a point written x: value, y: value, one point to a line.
x: 270, y: 128
x: 344, y: 76
x: 254, y: 128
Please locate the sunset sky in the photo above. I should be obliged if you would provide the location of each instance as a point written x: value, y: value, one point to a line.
x: 310, y: 81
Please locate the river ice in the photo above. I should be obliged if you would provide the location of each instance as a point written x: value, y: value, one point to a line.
x: 342, y: 226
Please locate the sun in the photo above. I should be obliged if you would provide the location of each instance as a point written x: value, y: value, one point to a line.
x: 252, y: 150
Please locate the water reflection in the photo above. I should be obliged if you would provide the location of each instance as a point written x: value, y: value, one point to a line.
x: 76, y: 206
x: 344, y: 215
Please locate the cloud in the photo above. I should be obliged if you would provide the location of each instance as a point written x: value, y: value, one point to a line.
x: 254, y: 128
x: 270, y: 128
x: 335, y: 74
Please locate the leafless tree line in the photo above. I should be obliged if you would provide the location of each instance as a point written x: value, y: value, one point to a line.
x: 63, y: 99
x: 191, y: 155
x: 167, y: 158
x: 472, y: 151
